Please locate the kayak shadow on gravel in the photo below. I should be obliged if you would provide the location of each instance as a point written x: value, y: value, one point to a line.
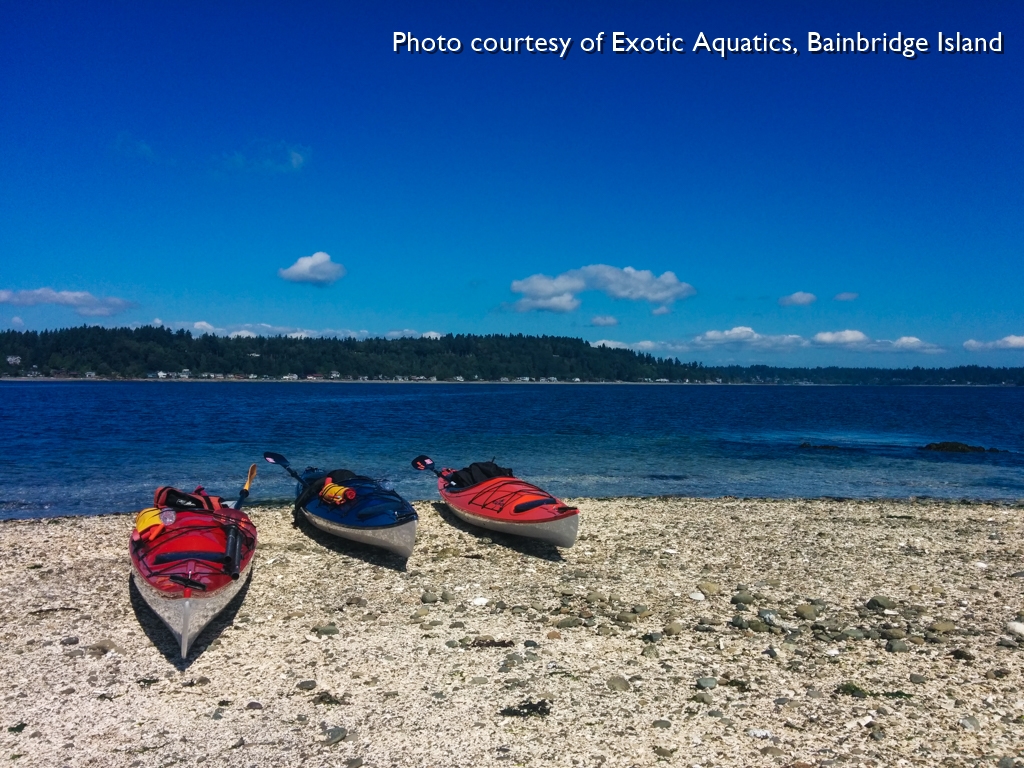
x: 532, y: 547
x: 364, y: 552
x: 161, y: 636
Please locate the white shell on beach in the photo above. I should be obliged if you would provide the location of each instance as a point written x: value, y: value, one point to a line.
x: 1015, y: 628
x: 479, y: 601
x: 698, y: 596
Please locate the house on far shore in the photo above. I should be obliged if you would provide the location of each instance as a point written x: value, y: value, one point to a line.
x: 314, y: 376
x: 290, y: 377
x: 335, y: 375
x: 90, y: 374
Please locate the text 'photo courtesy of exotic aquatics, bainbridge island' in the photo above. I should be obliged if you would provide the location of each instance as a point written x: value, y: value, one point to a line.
x: 558, y: 385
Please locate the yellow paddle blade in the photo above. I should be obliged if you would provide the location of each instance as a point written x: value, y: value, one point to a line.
x: 147, y: 518
x: 252, y: 476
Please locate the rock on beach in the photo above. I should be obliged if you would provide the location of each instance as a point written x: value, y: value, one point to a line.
x: 830, y: 632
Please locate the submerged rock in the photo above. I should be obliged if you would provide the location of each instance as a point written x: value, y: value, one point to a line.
x: 953, y: 447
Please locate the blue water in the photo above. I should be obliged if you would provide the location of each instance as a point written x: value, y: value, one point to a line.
x: 98, y: 447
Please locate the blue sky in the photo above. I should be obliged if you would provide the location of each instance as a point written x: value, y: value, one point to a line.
x: 246, y: 168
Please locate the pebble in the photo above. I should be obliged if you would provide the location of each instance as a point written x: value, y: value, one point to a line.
x: 1015, y: 628
x: 569, y: 622
x: 881, y: 603
x: 69, y: 640
x: 709, y: 588
x: 306, y: 685
x: 554, y: 635
x: 742, y: 598
x: 430, y: 597
x: 970, y: 723
x: 941, y: 627
x: 596, y: 597
x: 706, y: 683
x: 917, y: 679
x: 806, y: 611
x: 618, y: 683
x: 759, y: 733
x: 672, y: 628
x: 897, y: 646
x: 662, y: 724
x: 254, y: 705
x: 335, y: 735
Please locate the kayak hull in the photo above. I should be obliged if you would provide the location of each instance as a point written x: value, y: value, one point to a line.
x: 561, y: 532
x: 512, y: 506
x: 399, y: 538
x: 376, y: 516
x: 187, y: 617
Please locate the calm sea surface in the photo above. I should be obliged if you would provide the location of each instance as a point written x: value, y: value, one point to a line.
x: 79, y: 448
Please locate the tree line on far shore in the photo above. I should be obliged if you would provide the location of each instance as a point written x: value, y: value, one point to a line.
x: 130, y: 353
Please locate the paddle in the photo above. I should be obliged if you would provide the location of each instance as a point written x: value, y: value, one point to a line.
x: 423, y: 462
x: 244, y: 493
x: 232, y: 556
x: 281, y: 461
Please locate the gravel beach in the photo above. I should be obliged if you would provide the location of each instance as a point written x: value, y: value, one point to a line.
x: 721, y: 632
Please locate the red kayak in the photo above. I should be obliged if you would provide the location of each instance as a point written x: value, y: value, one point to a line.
x: 191, y: 554
x: 489, y: 496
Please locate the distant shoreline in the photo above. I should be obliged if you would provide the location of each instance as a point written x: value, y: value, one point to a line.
x: 198, y: 380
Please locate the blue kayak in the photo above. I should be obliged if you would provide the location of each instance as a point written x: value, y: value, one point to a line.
x: 371, y: 514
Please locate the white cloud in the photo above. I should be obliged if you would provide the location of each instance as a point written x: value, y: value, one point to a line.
x: 558, y: 294
x: 841, y: 337
x: 17, y: 321
x: 745, y: 335
x: 660, y: 311
x: 317, y: 269
x: 252, y: 330
x: 846, y: 296
x: 1007, y: 342
x: 268, y: 157
x: 859, y: 341
x: 83, y: 302
x: 563, y: 302
x: 405, y: 333
x: 432, y: 335
x: 603, y: 320
x: 798, y: 299
x: 157, y: 322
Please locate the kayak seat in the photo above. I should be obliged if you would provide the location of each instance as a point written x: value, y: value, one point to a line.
x: 476, y: 473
